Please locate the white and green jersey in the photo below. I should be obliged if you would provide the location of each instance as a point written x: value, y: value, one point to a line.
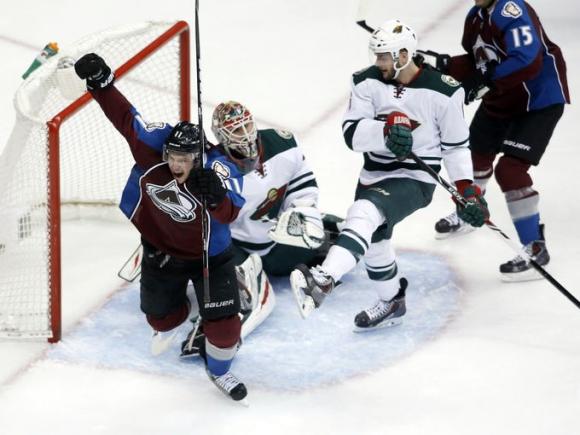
x: 282, y: 178
x: 433, y: 102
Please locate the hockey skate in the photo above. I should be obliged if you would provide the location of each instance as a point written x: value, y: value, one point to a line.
x: 451, y: 225
x: 519, y: 269
x: 194, y: 343
x: 161, y: 341
x: 310, y: 287
x: 230, y: 386
x: 383, y: 313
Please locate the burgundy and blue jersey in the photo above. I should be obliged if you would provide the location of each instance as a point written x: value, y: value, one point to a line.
x: 531, y: 71
x: 166, y: 214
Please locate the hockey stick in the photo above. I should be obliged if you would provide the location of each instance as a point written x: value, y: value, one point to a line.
x: 513, y: 245
x: 132, y: 267
x: 204, y: 220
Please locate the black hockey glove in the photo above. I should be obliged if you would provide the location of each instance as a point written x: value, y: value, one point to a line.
x: 479, y: 83
x: 92, y: 68
x: 205, y: 182
x: 398, y: 135
x: 436, y: 60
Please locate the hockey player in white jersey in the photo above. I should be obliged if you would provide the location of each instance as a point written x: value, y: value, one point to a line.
x: 396, y: 107
x: 280, y: 225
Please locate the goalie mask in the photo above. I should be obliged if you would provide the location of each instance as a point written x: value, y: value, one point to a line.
x: 184, y: 139
x: 392, y: 37
x: 233, y: 126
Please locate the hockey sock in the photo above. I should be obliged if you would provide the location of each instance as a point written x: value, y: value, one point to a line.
x: 381, y: 266
x: 219, y: 360
x: 338, y: 262
x: 523, y: 208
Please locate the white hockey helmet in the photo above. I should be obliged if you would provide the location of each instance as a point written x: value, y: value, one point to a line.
x: 391, y: 37
x: 233, y: 126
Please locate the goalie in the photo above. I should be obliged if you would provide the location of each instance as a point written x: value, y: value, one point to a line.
x: 280, y: 225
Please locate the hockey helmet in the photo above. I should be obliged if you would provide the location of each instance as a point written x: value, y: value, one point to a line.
x: 184, y: 138
x: 233, y: 126
x: 391, y: 37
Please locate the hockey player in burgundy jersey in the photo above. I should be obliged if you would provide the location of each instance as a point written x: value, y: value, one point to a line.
x: 162, y: 199
x: 521, y: 77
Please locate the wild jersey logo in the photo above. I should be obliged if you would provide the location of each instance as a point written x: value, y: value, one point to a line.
x: 511, y: 10
x: 384, y: 116
x: 284, y: 134
x: 169, y: 199
x: 271, y: 205
x: 449, y: 80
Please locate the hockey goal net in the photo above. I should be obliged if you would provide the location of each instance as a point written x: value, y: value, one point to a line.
x: 65, y: 155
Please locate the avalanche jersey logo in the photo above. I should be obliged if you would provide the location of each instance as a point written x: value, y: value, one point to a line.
x: 271, y: 205
x: 483, y: 53
x: 511, y: 10
x: 169, y: 199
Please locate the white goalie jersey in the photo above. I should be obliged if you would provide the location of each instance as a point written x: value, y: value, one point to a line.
x: 433, y: 102
x: 283, y: 180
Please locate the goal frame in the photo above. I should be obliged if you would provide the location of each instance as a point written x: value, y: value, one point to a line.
x: 179, y: 30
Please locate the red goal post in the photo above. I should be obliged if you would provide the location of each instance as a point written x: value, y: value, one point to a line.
x: 65, y: 158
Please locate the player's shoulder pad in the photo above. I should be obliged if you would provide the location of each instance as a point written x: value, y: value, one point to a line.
x: 436, y: 81
x: 371, y: 72
x: 221, y: 164
x: 153, y: 134
x: 276, y: 141
x: 508, y: 11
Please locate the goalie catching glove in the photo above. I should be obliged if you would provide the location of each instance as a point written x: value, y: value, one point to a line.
x: 299, y: 226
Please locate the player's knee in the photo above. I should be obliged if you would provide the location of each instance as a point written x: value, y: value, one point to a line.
x: 482, y: 162
x: 511, y: 173
x: 364, y: 216
x: 171, y: 320
x: 224, y: 332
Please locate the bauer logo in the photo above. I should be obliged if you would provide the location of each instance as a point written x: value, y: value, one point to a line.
x: 169, y: 199
x: 219, y: 304
x: 511, y: 10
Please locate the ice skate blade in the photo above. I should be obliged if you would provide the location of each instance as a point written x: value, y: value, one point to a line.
x: 305, y: 303
x: 386, y: 324
x: 161, y: 342
x: 466, y: 229
x: 527, y: 275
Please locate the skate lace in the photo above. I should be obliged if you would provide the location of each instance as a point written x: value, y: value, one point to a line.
x: 452, y: 218
x: 529, y: 249
x: 379, y: 310
x: 226, y: 382
x: 320, y: 275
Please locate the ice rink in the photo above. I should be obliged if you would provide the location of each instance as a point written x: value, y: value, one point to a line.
x: 474, y: 356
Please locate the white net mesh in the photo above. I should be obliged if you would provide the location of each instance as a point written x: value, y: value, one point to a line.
x: 94, y: 163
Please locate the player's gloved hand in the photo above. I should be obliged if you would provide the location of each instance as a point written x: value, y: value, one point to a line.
x: 475, y: 212
x: 436, y: 60
x: 92, y: 68
x: 398, y: 135
x: 478, y: 84
x: 205, y: 182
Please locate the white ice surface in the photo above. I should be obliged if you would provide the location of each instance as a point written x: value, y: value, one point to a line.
x: 506, y: 361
